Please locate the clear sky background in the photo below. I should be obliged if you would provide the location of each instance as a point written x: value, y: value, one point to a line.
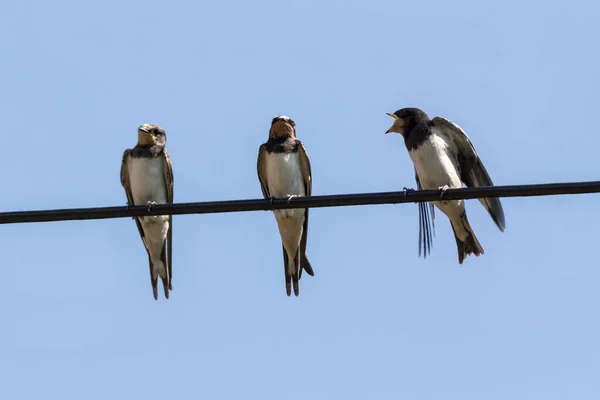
x: 78, y: 320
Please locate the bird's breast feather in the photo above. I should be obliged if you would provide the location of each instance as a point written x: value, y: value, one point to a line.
x: 284, y: 174
x: 146, y: 177
x: 435, y: 164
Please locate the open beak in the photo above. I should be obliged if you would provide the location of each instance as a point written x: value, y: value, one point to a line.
x: 395, y: 118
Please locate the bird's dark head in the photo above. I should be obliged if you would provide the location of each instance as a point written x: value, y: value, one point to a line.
x: 151, y: 135
x: 282, y: 127
x: 405, y: 119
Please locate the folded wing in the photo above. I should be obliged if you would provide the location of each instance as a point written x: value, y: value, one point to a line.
x: 168, y: 173
x: 261, y: 167
x: 472, y: 171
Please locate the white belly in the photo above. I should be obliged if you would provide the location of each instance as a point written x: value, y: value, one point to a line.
x: 284, y: 175
x: 146, y: 176
x: 434, y: 167
x: 284, y: 178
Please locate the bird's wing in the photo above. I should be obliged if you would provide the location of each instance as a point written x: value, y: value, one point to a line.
x: 305, y: 168
x: 307, y: 177
x: 168, y: 172
x: 261, y: 167
x: 127, y: 186
x: 472, y: 171
x: 426, y: 223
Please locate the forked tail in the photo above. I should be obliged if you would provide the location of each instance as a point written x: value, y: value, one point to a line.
x: 292, y: 272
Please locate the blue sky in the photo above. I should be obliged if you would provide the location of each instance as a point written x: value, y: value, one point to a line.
x: 78, y: 316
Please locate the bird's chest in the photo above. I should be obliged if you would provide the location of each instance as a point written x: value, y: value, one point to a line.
x: 434, y: 164
x: 284, y: 175
x: 146, y: 177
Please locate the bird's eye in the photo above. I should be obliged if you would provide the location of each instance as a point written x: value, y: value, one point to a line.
x: 292, y: 123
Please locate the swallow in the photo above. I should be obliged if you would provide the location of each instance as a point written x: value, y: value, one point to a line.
x: 147, y: 177
x: 444, y: 157
x: 284, y: 172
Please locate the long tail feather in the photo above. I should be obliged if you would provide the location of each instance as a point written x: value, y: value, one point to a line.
x: 288, y: 277
x: 426, y: 228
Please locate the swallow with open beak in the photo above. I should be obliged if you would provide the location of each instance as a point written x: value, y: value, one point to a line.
x: 444, y: 157
x: 147, y: 177
x: 284, y: 172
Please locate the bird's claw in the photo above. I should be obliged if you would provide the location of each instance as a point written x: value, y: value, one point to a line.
x: 271, y: 200
x: 442, y: 190
x: 290, y: 197
x: 407, y: 190
x: 151, y: 205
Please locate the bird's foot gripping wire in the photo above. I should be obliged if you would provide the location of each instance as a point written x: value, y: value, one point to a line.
x: 129, y: 205
x: 442, y: 190
x: 151, y: 205
x: 291, y: 196
x: 271, y: 200
x: 407, y: 190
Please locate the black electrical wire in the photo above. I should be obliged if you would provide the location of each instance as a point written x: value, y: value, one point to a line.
x: 335, y: 200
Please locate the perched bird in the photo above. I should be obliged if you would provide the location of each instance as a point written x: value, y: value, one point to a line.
x: 444, y: 157
x: 284, y: 172
x: 147, y: 177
